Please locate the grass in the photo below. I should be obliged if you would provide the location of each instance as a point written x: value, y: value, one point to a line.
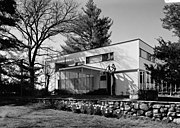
x: 40, y: 116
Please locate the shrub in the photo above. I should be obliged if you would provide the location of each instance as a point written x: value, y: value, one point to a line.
x: 84, y: 108
x: 90, y: 109
x: 97, y: 110
x: 62, y: 92
x: 61, y: 105
x: 148, y: 94
x: 42, y: 93
x: 98, y: 92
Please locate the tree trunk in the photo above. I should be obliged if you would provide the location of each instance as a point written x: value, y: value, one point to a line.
x: 32, y: 76
x: 47, y: 83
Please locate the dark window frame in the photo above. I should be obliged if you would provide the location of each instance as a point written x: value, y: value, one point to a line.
x: 148, y: 57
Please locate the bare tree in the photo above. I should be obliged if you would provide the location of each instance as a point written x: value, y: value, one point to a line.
x: 40, y: 20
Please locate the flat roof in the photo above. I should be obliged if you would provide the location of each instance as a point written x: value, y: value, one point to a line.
x: 82, y: 66
x: 106, y: 46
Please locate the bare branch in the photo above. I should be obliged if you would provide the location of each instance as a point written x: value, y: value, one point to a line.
x: 42, y: 19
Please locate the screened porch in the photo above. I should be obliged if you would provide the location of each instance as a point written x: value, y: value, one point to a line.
x: 80, y: 79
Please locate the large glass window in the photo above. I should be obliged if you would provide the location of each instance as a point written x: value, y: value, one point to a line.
x: 75, y: 82
x: 146, y: 82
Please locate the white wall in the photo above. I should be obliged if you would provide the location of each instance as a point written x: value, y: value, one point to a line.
x: 125, y: 56
x: 126, y: 82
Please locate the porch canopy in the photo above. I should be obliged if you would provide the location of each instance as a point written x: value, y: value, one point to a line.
x: 85, y: 69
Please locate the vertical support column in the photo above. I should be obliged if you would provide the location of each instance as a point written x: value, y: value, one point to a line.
x: 162, y: 87
x: 139, y: 84
x: 86, y: 83
x: 59, y: 81
x: 82, y: 79
x: 78, y: 82
x: 171, y: 90
x: 149, y: 85
x: 65, y: 80
x: 91, y: 81
x: 144, y: 80
x: 55, y: 80
x: 150, y: 82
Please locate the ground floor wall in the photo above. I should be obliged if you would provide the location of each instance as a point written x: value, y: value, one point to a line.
x: 78, y: 81
x: 126, y: 82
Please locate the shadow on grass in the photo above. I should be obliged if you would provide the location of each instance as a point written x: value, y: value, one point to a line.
x: 21, y: 101
x: 16, y: 101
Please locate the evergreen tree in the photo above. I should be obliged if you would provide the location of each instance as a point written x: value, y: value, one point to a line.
x: 167, y: 67
x: 7, y: 18
x: 7, y: 41
x: 171, y: 21
x: 89, y: 31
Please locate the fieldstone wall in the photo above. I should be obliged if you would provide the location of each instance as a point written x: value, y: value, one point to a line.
x: 162, y: 111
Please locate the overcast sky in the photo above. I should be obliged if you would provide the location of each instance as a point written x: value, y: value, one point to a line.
x: 134, y: 19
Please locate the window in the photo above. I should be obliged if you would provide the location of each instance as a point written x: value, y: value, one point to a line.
x: 153, y: 59
x: 102, y: 77
x: 149, y: 56
x: 100, y: 58
x: 93, y: 59
x: 107, y: 56
x: 141, y: 77
x: 87, y: 60
x: 145, y: 80
x: 143, y: 54
x: 146, y: 55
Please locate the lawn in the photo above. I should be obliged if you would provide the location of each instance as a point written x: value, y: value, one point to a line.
x: 39, y: 116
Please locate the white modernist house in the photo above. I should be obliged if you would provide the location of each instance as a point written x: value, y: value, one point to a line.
x: 118, y: 68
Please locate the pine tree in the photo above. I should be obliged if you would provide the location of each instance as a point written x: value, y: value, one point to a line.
x: 7, y: 18
x: 89, y: 31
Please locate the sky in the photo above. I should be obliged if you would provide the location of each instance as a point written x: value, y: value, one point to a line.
x: 134, y: 19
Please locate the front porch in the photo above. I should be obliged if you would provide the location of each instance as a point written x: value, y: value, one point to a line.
x: 81, y: 79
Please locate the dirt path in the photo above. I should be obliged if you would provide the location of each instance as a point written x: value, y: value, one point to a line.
x: 34, y: 116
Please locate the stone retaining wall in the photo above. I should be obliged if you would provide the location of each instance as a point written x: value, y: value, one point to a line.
x: 162, y: 111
